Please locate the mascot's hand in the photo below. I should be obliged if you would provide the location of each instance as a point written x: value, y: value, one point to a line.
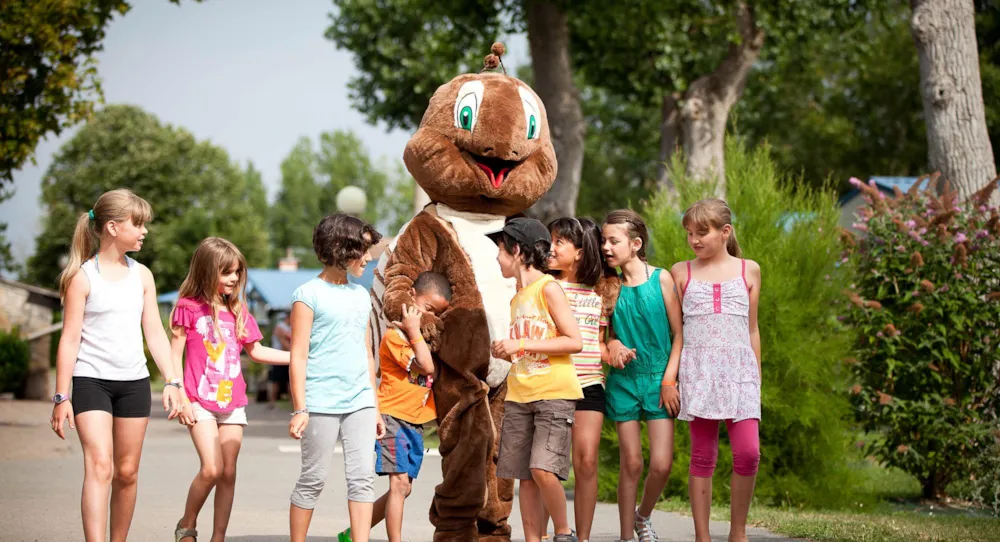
x: 431, y: 327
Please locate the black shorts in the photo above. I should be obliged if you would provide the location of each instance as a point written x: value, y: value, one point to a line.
x: 278, y: 373
x: 593, y: 399
x: 120, y: 398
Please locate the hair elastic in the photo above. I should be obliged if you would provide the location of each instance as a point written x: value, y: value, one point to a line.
x: 90, y: 213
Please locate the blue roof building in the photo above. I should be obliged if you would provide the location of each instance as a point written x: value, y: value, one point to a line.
x: 852, y: 202
x: 270, y: 290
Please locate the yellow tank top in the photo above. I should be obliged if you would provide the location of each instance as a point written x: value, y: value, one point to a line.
x: 536, y: 377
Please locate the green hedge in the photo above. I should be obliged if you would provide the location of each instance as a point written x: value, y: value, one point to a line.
x: 15, y: 354
x: 793, y: 235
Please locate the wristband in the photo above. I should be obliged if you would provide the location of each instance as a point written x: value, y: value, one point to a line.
x: 520, y: 351
x: 177, y: 383
x: 300, y: 411
x: 418, y: 340
x: 671, y: 383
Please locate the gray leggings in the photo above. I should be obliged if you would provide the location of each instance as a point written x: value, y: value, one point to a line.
x: 356, y: 431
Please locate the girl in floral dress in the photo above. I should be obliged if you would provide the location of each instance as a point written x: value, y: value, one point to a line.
x: 720, y: 372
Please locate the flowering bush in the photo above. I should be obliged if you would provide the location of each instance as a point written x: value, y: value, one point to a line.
x: 926, y: 304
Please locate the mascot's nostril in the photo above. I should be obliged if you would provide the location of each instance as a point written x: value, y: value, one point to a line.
x: 488, y: 151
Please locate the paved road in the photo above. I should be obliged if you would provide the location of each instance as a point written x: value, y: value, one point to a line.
x: 41, y: 476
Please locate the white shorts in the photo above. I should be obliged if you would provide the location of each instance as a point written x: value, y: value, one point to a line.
x: 236, y: 417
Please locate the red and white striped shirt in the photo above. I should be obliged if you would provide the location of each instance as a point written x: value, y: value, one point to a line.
x: 586, y: 306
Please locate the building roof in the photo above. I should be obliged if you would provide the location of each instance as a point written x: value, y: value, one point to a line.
x: 885, y: 184
x: 276, y: 287
x: 33, y: 289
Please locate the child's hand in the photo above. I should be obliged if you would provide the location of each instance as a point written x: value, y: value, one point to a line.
x: 298, y: 425
x: 171, y: 401
x: 410, y: 321
x: 505, y: 348
x: 379, y: 426
x: 187, y: 417
x: 671, y: 399
x: 61, y: 413
x: 619, y: 354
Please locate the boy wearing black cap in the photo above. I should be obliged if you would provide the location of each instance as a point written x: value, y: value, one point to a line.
x: 542, y: 387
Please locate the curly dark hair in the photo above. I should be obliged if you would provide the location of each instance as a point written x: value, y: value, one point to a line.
x: 536, y: 256
x: 431, y: 281
x: 338, y: 239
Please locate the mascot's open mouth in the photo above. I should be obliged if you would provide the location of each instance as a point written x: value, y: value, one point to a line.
x: 495, y: 168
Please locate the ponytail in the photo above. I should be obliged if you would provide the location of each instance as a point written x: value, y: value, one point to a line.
x: 81, y: 248
x: 113, y: 206
x: 733, y: 246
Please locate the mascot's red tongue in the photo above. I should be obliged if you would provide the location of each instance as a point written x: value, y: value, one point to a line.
x: 496, y: 179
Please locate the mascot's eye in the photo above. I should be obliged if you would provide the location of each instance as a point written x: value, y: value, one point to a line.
x: 470, y: 97
x: 532, y: 113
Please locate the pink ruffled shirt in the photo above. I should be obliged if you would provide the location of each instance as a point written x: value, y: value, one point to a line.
x: 213, y: 375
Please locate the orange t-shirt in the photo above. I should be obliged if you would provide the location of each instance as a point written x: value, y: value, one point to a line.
x: 403, y: 393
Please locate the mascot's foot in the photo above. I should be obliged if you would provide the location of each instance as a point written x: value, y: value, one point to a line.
x: 494, y: 538
x: 464, y: 535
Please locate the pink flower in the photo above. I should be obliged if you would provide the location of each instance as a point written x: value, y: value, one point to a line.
x: 944, y: 289
x: 911, y: 224
x: 958, y: 276
x: 855, y: 182
x: 900, y: 248
x: 845, y: 260
x: 982, y: 234
x: 960, y: 238
x: 925, y: 243
x: 879, y: 334
x: 859, y: 226
x: 982, y: 208
x: 871, y: 183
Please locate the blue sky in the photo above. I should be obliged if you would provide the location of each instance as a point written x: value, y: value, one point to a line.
x: 252, y: 76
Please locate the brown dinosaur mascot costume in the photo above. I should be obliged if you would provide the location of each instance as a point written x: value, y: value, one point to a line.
x: 482, y: 153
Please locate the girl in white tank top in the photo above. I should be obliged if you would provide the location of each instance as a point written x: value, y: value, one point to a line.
x: 106, y: 309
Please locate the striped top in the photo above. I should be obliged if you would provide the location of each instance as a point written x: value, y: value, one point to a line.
x: 586, y: 306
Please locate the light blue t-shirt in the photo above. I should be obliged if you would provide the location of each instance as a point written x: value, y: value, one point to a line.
x: 337, y: 378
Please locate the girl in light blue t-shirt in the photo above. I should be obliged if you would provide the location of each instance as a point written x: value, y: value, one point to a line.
x: 332, y: 375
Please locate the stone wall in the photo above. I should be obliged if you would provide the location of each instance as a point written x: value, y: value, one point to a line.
x: 30, y: 309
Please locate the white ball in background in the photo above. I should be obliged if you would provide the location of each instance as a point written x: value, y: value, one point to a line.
x: 351, y: 200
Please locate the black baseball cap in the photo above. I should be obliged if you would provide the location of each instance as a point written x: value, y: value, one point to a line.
x: 527, y: 230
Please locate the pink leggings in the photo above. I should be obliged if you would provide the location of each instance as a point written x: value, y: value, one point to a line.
x: 743, y: 438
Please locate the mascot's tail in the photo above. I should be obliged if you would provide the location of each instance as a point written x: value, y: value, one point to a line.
x: 377, y: 322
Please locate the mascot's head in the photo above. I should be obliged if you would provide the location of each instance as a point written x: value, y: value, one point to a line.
x: 483, y: 144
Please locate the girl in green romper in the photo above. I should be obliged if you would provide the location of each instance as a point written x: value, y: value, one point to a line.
x: 642, y: 383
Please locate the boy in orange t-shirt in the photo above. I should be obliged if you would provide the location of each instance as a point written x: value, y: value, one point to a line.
x: 405, y: 399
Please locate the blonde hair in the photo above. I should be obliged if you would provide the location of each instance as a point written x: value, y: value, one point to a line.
x: 214, y: 256
x: 114, y: 206
x: 713, y: 213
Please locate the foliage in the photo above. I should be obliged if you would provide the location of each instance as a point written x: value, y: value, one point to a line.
x: 926, y: 307
x: 793, y: 236
x: 195, y: 189
x: 6, y: 257
x: 15, y: 354
x: 48, y: 70
x: 312, y: 177
x: 843, y: 107
x: 404, y: 49
x: 982, y: 484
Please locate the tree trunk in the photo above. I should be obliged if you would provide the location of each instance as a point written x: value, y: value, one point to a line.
x: 669, y: 137
x: 958, y: 143
x: 706, y: 107
x: 548, y: 36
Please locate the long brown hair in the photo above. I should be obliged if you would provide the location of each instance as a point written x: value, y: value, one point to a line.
x: 114, y: 206
x: 713, y: 213
x: 214, y: 256
x: 635, y: 226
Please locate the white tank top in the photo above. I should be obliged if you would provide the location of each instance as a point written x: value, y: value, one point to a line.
x: 111, y: 338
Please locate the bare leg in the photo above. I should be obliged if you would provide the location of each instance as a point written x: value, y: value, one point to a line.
x: 700, y: 493
x: 544, y: 531
x: 95, y: 428
x: 230, y: 440
x: 586, y: 443
x: 298, y: 523
x: 361, y: 520
x: 399, y: 490
x: 378, y: 509
x: 661, y: 456
x: 205, y: 435
x: 554, y: 497
x: 630, y: 457
x: 742, y: 495
x: 128, y: 436
x: 532, y: 513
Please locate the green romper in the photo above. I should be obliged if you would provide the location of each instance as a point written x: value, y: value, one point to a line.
x: 640, y: 322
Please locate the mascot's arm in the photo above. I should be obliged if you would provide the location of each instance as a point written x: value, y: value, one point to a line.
x: 414, y: 254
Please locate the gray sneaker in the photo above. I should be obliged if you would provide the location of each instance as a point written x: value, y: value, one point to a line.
x: 644, y: 528
x: 571, y: 537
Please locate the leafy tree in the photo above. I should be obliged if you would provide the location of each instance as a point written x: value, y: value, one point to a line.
x: 48, y: 70
x: 195, y: 190
x: 693, y: 59
x: 6, y: 258
x: 312, y: 177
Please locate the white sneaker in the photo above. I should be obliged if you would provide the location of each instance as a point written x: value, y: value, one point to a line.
x: 644, y: 528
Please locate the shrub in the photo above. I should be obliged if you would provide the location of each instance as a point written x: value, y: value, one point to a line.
x: 925, y: 304
x: 792, y: 234
x: 981, y: 485
x: 15, y: 354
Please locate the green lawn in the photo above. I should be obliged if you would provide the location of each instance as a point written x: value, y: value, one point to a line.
x: 883, y: 525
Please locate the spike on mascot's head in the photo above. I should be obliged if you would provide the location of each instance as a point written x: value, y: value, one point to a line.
x: 483, y: 145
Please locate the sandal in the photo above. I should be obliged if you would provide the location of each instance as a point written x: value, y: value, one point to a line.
x: 181, y: 533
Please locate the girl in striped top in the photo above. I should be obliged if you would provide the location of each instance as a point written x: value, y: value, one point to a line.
x: 577, y: 262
